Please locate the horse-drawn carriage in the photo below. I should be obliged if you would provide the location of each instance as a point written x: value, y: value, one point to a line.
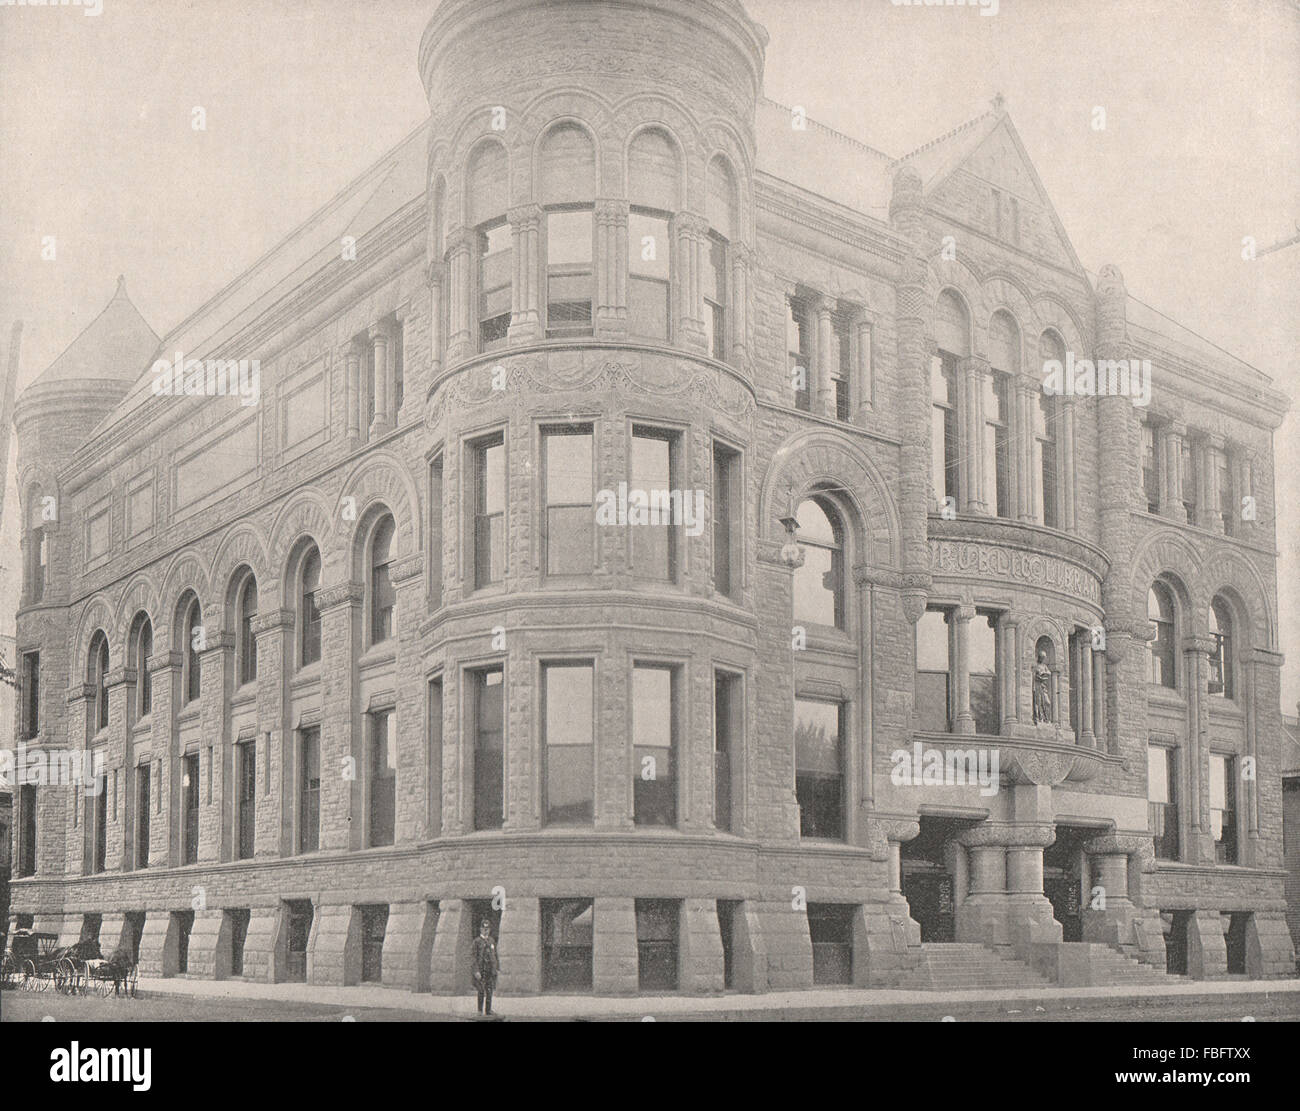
x: 36, y: 962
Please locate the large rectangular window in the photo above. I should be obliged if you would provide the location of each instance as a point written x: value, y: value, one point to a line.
x: 435, y: 757
x: 568, y: 272
x: 488, y: 459
x: 1227, y: 495
x: 830, y: 928
x: 142, y: 797
x: 983, y: 663
x: 1045, y: 460
x: 997, y: 440
x: 1190, y: 483
x: 27, y: 830
x: 842, y: 364
x: 943, y: 426
x: 799, y: 348
x: 309, y: 790
x: 648, y: 252
x: 728, y: 737
x: 567, y: 936
x: 654, y: 476
x: 374, y: 925
x: 658, y: 923
x: 488, y: 722
x: 819, y: 767
x: 654, y: 745
x: 30, y: 677
x: 1162, y: 801
x: 435, y: 533
x: 246, y: 797
x: 568, y: 484
x: 1223, y: 808
x: 383, y: 778
x: 714, y: 281
x: 568, y: 714
x: 1150, y: 467
x: 934, y: 672
x: 727, y: 518
x: 101, y: 825
x: 496, y: 258
x: 190, y: 797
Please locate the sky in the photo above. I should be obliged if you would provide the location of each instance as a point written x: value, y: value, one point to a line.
x: 1200, y: 149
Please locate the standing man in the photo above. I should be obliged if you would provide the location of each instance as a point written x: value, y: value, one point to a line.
x: 486, y: 967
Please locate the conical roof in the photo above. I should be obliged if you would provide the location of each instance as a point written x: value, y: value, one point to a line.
x: 115, y: 346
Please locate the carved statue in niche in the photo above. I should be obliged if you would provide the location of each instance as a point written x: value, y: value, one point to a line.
x: 1043, y: 690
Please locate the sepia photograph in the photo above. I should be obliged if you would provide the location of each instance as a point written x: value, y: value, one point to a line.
x: 730, y: 511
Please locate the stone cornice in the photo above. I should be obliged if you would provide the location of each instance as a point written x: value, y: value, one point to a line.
x: 799, y: 206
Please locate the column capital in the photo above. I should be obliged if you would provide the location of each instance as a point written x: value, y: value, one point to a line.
x: 612, y: 210
x: 408, y: 567
x: 1197, y: 644
x: 381, y: 330
x: 461, y: 240
x: 119, y: 675
x: 347, y: 593
x: 270, y: 620
x: 435, y: 273
x: 964, y: 612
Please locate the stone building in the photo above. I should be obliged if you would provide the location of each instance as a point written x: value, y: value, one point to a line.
x: 924, y: 662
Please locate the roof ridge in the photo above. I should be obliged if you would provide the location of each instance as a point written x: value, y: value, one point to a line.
x: 849, y: 139
x: 948, y: 135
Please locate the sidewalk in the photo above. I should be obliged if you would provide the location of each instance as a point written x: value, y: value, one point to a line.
x: 861, y: 1003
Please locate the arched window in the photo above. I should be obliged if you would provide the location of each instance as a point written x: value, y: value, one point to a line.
x: 819, y: 583
x: 140, y: 651
x: 246, y: 642
x: 192, y: 628
x: 38, y: 549
x: 98, y: 678
x: 1221, y: 656
x: 308, y: 612
x: 382, y: 596
x: 1160, y: 610
x: 487, y: 197
x: 567, y: 190
x: 653, y: 196
x: 952, y: 333
x: 722, y: 213
x: 999, y: 394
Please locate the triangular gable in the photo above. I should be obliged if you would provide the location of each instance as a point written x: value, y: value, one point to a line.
x: 990, y: 149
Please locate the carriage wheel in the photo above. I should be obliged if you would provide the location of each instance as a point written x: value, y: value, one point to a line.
x: 65, y: 977
x: 30, y: 980
x: 104, y: 985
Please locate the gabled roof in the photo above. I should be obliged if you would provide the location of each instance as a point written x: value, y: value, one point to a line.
x: 115, y: 346
x: 939, y: 159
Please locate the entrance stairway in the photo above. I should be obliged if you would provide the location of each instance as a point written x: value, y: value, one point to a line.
x: 969, y: 966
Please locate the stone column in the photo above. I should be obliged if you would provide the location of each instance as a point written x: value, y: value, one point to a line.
x: 1087, y: 736
x: 342, y: 806
x: 1065, y: 407
x: 825, y: 391
x: 915, y: 310
x: 434, y: 278
x: 525, y: 315
x: 218, y: 661
x: 460, y: 267
x: 1022, y: 457
x: 1008, y: 637
x: 1097, y: 662
x: 614, y: 952
x: 1242, y: 468
x: 1199, y: 846
x: 610, y: 264
x: 1209, y: 499
x: 963, y: 718
x: 1171, y: 494
x: 167, y: 672
x: 973, y: 372
x: 117, y: 852
x: 410, y: 819
x: 736, y: 343
x: 690, y: 233
x: 381, y: 338
x: 399, y: 347
x: 273, y: 832
x: 1116, y: 919
x: 353, y: 391
x: 863, y: 367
